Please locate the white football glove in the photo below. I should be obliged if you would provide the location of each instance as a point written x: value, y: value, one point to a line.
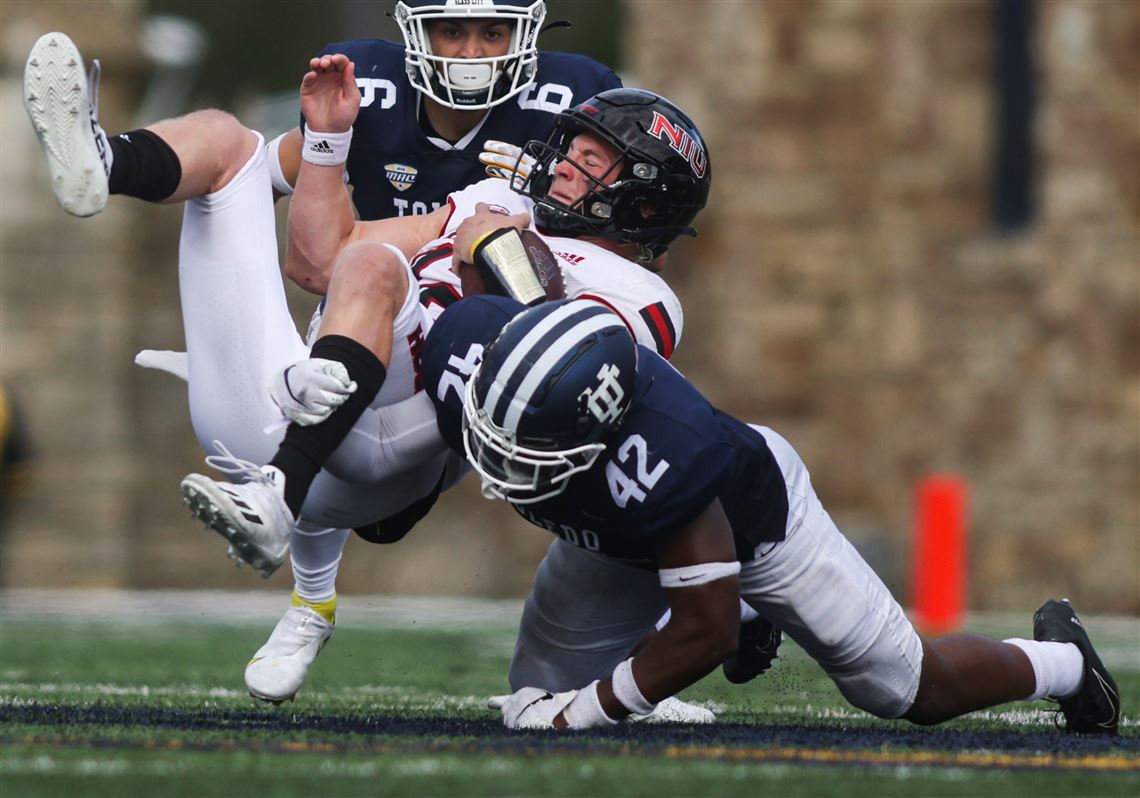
x: 674, y: 710
x: 310, y: 390
x: 505, y: 160
x: 531, y: 707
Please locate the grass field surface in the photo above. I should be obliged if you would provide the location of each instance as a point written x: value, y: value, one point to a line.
x: 141, y: 694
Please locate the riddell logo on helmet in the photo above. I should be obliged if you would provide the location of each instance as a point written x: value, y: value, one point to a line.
x: 680, y: 140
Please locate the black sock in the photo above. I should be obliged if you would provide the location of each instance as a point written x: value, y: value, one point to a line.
x: 144, y: 166
x: 305, y: 449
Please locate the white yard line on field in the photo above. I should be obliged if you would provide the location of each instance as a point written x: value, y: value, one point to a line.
x: 1117, y: 637
x: 244, y: 607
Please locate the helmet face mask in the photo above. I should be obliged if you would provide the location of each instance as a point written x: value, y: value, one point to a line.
x: 550, y: 389
x: 513, y: 472
x: 470, y: 83
x: 662, y: 182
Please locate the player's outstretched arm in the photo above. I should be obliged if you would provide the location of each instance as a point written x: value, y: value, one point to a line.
x: 287, y: 150
x: 699, y: 569
x: 321, y: 221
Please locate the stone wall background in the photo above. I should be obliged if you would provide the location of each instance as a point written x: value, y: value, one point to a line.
x: 847, y: 289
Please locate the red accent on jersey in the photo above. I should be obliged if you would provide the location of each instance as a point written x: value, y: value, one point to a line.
x: 427, y: 257
x: 615, y: 311
x: 569, y: 258
x: 440, y: 295
x: 416, y: 347
x: 662, y: 328
x: 450, y: 213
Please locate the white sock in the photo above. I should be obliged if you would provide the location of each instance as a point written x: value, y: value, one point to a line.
x: 1058, y: 668
x: 315, y: 554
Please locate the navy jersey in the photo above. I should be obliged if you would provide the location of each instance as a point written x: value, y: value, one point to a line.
x: 672, y: 455
x: 395, y: 168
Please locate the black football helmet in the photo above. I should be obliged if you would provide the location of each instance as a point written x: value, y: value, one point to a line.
x: 663, y: 180
x: 549, y: 390
x: 470, y: 83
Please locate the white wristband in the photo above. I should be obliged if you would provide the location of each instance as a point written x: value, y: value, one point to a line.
x: 326, y: 149
x: 585, y: 711
x: 627, y: 692
x: 700, y: 574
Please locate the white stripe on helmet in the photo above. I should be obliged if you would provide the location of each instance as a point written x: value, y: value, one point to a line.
x: 557, y: 350
x: 561, y: 347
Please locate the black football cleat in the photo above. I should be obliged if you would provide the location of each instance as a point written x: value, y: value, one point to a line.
x: 759, y: 642
x: 1095, y: 707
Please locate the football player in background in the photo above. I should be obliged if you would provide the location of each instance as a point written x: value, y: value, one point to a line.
x: 469, y: 73
x: 240, y: 336
x: 655, y: 495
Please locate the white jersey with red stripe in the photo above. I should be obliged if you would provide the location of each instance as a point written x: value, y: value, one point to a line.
x: 643, y: 300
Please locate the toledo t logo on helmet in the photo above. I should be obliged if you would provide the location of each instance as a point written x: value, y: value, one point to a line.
x: 679, y: 139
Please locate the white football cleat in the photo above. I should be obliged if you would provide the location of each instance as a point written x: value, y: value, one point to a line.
x: 252, y: 516
x: 278, y: 669
x: 674, y: 710
x: 64, y: 106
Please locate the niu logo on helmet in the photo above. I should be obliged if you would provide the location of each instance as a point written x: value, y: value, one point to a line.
x: 680, y: 140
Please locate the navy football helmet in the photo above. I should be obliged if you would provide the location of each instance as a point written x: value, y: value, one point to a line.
x: 661, y: 185
x: 470, y: 83
x: 557, y: 380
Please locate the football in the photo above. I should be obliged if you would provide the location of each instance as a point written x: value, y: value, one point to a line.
x: 545, y: 264
x: 471, y: 280
x: 515, y: 264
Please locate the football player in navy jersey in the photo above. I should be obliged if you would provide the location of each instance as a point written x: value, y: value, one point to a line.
x: 656, y: 497
x: 342, y: 393
x: 468, y: 73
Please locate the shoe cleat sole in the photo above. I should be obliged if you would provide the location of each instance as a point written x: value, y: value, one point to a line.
x: 54, y: 94
x: 239, y: 550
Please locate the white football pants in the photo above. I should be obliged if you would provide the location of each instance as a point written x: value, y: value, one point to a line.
x: 239, y: 335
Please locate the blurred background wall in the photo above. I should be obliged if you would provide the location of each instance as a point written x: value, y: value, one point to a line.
x: 922, y: 255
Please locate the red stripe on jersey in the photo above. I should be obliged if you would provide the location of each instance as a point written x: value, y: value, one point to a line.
x: 425, y: 259
x: 661, y: 326
x: 601, y: 301
x: 438, y: 294
x: 450, y: 213
x: 416, y: 350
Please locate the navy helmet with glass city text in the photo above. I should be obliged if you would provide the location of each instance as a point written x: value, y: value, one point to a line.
x: 470, y: 83
x: 557, y: 380
x: 661, y: 184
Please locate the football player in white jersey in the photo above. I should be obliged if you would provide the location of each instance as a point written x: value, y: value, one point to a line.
x: 240, y: 336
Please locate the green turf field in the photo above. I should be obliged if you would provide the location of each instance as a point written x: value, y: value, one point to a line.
x: 91, y: 705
